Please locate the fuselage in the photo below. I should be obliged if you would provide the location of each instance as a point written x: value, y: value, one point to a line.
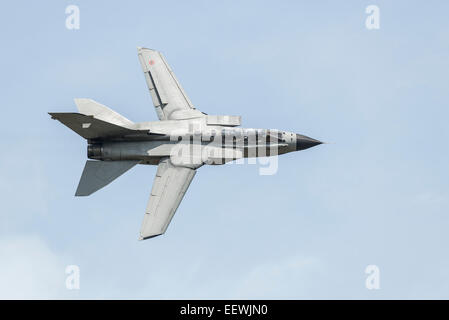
x: 194, y: 142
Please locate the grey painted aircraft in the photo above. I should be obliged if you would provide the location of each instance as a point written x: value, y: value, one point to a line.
x: 182, y: 141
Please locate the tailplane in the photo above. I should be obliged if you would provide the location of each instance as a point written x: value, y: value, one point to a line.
x: 90, y: 127
x: 90, y: 107
x: 97, y: 174
x: 95, y: 121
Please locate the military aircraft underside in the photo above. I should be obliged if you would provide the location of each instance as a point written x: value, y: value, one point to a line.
x: 183, y: 140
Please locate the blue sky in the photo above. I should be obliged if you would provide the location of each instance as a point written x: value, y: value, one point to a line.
x: 378, y: 194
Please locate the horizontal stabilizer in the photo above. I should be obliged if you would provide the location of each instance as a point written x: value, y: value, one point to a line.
x: 97, y: 174
x: 89, y: 127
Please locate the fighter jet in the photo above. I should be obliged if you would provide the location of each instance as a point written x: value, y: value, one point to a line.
x: 183, y: 140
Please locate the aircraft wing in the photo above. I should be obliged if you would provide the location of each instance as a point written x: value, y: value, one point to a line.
x: 170, y: 185
x: 169, y: 98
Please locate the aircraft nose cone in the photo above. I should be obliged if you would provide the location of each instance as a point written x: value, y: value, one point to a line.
x: 305, y: 142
